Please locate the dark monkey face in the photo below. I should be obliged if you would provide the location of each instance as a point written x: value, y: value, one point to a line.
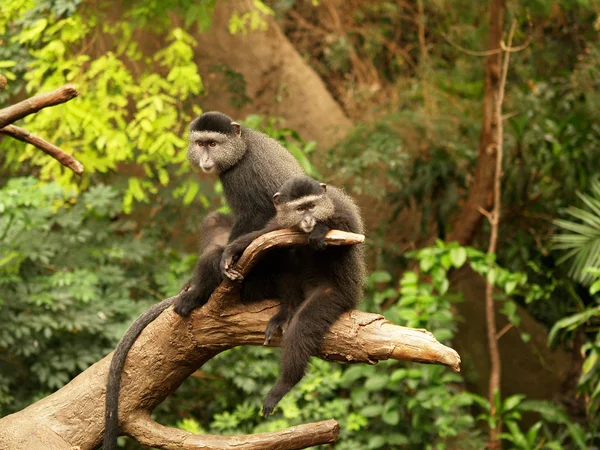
x: 304, y: 212
x: 215, y: 143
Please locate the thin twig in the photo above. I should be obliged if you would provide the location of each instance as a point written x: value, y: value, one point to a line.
x: 487, y: 214
x: 55, y: 152
x: 504, y: 330
x: 503, y: 47
x: 490, y: 312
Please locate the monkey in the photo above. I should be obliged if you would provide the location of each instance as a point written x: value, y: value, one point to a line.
x: 318, y: 282
x: 214, y: 236
x: 251, y: 167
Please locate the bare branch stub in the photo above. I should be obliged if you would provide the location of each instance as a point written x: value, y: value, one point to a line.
x: 50, y: 149
x: 34, y: 104
x: 3, y: 82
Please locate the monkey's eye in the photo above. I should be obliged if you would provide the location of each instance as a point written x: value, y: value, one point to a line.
x: 200, y: 144
x: 212, y: 144
x: 300, y: 209
x: 311, y: 207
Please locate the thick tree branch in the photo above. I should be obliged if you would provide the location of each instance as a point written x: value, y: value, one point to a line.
x: 34, y: 104
x: 50, y: 149
x: 171, y: 348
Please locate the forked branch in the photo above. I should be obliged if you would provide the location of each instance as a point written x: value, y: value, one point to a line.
x: 32, y: 105
x: 171, y: 348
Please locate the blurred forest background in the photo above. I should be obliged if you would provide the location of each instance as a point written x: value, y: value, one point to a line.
x: 384, y: 98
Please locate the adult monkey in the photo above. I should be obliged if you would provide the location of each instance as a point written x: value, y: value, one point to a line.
x: 251, y: 167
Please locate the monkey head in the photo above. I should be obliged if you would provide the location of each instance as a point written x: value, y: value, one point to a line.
x: 301, y: 203
x: 216, y: 142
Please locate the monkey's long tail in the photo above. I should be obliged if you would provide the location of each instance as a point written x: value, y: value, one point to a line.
x: 113, y: 385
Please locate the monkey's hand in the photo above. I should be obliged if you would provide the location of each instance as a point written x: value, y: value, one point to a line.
x: 316, y: 238
x: 230, y: 255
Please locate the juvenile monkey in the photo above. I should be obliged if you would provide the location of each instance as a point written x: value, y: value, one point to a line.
x: 318, y: 283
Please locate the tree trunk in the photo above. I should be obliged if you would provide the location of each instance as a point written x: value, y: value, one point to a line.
x: 469, y: 220
x: 278, y: 80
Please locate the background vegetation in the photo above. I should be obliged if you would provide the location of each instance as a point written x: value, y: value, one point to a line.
x: 81, y: 257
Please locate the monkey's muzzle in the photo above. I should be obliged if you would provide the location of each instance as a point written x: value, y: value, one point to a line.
x: 307, y: 224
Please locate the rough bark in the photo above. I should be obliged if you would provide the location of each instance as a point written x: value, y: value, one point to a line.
x: 469, y: 220
x: 171, y: 348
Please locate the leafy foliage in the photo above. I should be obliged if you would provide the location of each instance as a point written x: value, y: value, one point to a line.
x: 582, y: 239
x: 71, y: 269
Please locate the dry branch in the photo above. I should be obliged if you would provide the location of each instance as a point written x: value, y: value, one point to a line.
x: 171, y: 348
x: 55, y: 152
x: 34, y: 104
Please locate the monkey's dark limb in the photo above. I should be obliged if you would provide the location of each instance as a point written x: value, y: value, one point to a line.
x: 316, y: 238
x: 116, y: 369
x: 50, y: 149
x: 207, y: 277
x: 34, y: 104
x: 303, y: 339
x: 234, y: 250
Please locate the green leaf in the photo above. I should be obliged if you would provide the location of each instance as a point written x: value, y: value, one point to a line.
x: 512, y: 402
x: 458, y: 257
x: 391, y: 417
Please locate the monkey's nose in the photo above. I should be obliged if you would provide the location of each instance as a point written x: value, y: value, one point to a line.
x: 207, y: 167
x: 307, y: 224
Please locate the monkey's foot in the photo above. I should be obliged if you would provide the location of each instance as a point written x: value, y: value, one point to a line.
x: 271, y: 329
x: 267, y: 409
x: 188, y: 301
x: 183, y: 309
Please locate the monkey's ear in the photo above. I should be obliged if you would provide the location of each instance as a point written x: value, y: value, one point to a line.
x: 276, y: 199
x: 324, y: 187
x: 237, y: 128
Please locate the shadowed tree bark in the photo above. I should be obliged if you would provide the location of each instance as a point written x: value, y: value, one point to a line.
x: 171, y: 348
x: 469, y: 221
x: 278, y: 80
